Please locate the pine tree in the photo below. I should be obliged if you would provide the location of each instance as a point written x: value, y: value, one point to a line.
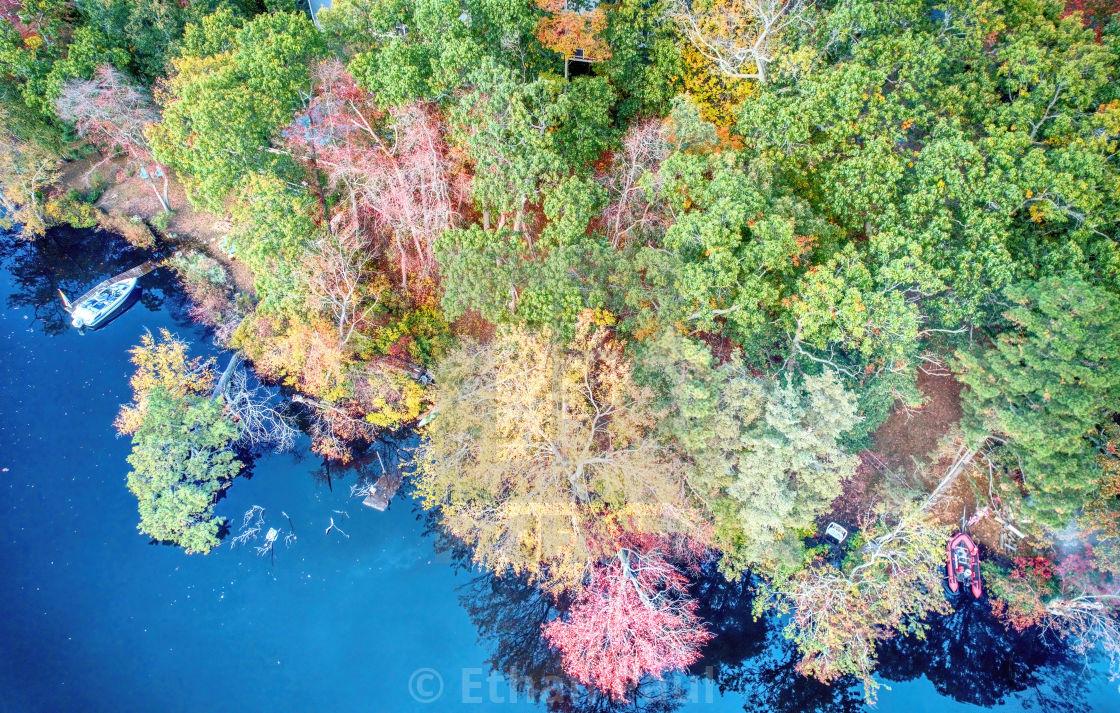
x: 1047, y: 384
x: 181, y: 458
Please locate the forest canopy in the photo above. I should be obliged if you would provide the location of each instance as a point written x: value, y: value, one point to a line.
x: 661, y: 282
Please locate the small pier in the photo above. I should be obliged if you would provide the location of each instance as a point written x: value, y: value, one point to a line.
x: 138, y: 271
x: 383, y: 491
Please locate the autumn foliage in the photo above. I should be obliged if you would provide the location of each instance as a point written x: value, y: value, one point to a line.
x: 113, y: 113
x: 545, y: 454
x: 392, y: 170
x: 564, y: 30
x: 162, y: 364
x: 646, y: 316
x: 634, y: 619
x: 1094, y: 13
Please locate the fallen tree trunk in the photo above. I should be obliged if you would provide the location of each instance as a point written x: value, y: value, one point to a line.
x: 223, y: 383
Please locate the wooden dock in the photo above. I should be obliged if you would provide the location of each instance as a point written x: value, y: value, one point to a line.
x: 383, y: 491
x: 138, y: 271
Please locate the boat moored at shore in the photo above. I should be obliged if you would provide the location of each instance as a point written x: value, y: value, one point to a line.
x: 964, y: 564
x: 96, y: 306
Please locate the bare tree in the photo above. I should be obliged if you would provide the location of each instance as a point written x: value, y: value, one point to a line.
x: 260, y: 417
x: 252, y: 522
x: 333, y: 526
x: 337, y: 271
x: 333, y: 426
x: 632, y: 182
x: 838, y: 617
x: 1088, y: 621
x: 739, y: 36
x: 112, y: 113
x: 396, y: 176
x: 362, y: 487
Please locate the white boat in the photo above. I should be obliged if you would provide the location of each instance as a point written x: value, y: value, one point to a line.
x: 97, y: 305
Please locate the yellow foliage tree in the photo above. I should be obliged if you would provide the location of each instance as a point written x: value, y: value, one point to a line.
x: 28, y: 169
x: 162, y: 363
x: 717, y: 95
x: 542, y: 456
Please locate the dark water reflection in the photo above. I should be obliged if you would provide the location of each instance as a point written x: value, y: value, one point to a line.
x: 968, y: 657
x: 972, y: 658
x: 95, y: 619
x: 74, y: 261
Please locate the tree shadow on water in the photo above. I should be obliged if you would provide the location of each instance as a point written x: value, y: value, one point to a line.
x: 73, y: 261
x: 968, y: 656
x: 971, y: 657
x: 745, y: 656
x: 509, y: 613
x: 751, y: 657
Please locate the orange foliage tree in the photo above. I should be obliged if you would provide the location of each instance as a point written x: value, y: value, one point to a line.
x: 565, y: 30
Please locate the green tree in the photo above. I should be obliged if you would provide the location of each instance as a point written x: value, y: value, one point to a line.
x: 427, y: 50
x: 88, y: 49
x: 272, y: 233
x: 547, y: 282
x: 181, y: 458
x: 33, y: 38
x: 146, y: 31
x: 1046, y: 385
x: 766, y: 453
x: 969, y: 150
x: 519, y: 135
x: 481, y: 270
x: 231, y: 92
x: 788, y: 465
x: 645, y: 57
x: 840, y: 319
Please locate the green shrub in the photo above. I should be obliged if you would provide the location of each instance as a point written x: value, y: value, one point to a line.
x: 163, y: 220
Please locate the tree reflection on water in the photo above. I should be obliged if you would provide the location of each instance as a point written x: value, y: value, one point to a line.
x: 509, y: 614
x: 74, y: 261
x: 968, y: 656
x: 753, y: 659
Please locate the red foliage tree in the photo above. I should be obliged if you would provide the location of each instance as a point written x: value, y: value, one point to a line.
x: 39, y: 23
x: 1094, y: 13
x: 112, y: 113
x: 635, y: 618
x: 634, y: 211
x: 393, y: 169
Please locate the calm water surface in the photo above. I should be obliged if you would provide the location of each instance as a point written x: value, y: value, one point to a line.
x: 95, y: 618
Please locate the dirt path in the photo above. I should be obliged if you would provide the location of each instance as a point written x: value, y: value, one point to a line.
x: 129, y: 197
x: 909, y: 436
x: 909, y: 439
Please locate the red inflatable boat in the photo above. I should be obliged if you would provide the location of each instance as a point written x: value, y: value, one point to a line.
x: 964, y: 564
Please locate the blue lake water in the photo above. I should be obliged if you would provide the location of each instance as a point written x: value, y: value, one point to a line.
x: 95, y: 618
